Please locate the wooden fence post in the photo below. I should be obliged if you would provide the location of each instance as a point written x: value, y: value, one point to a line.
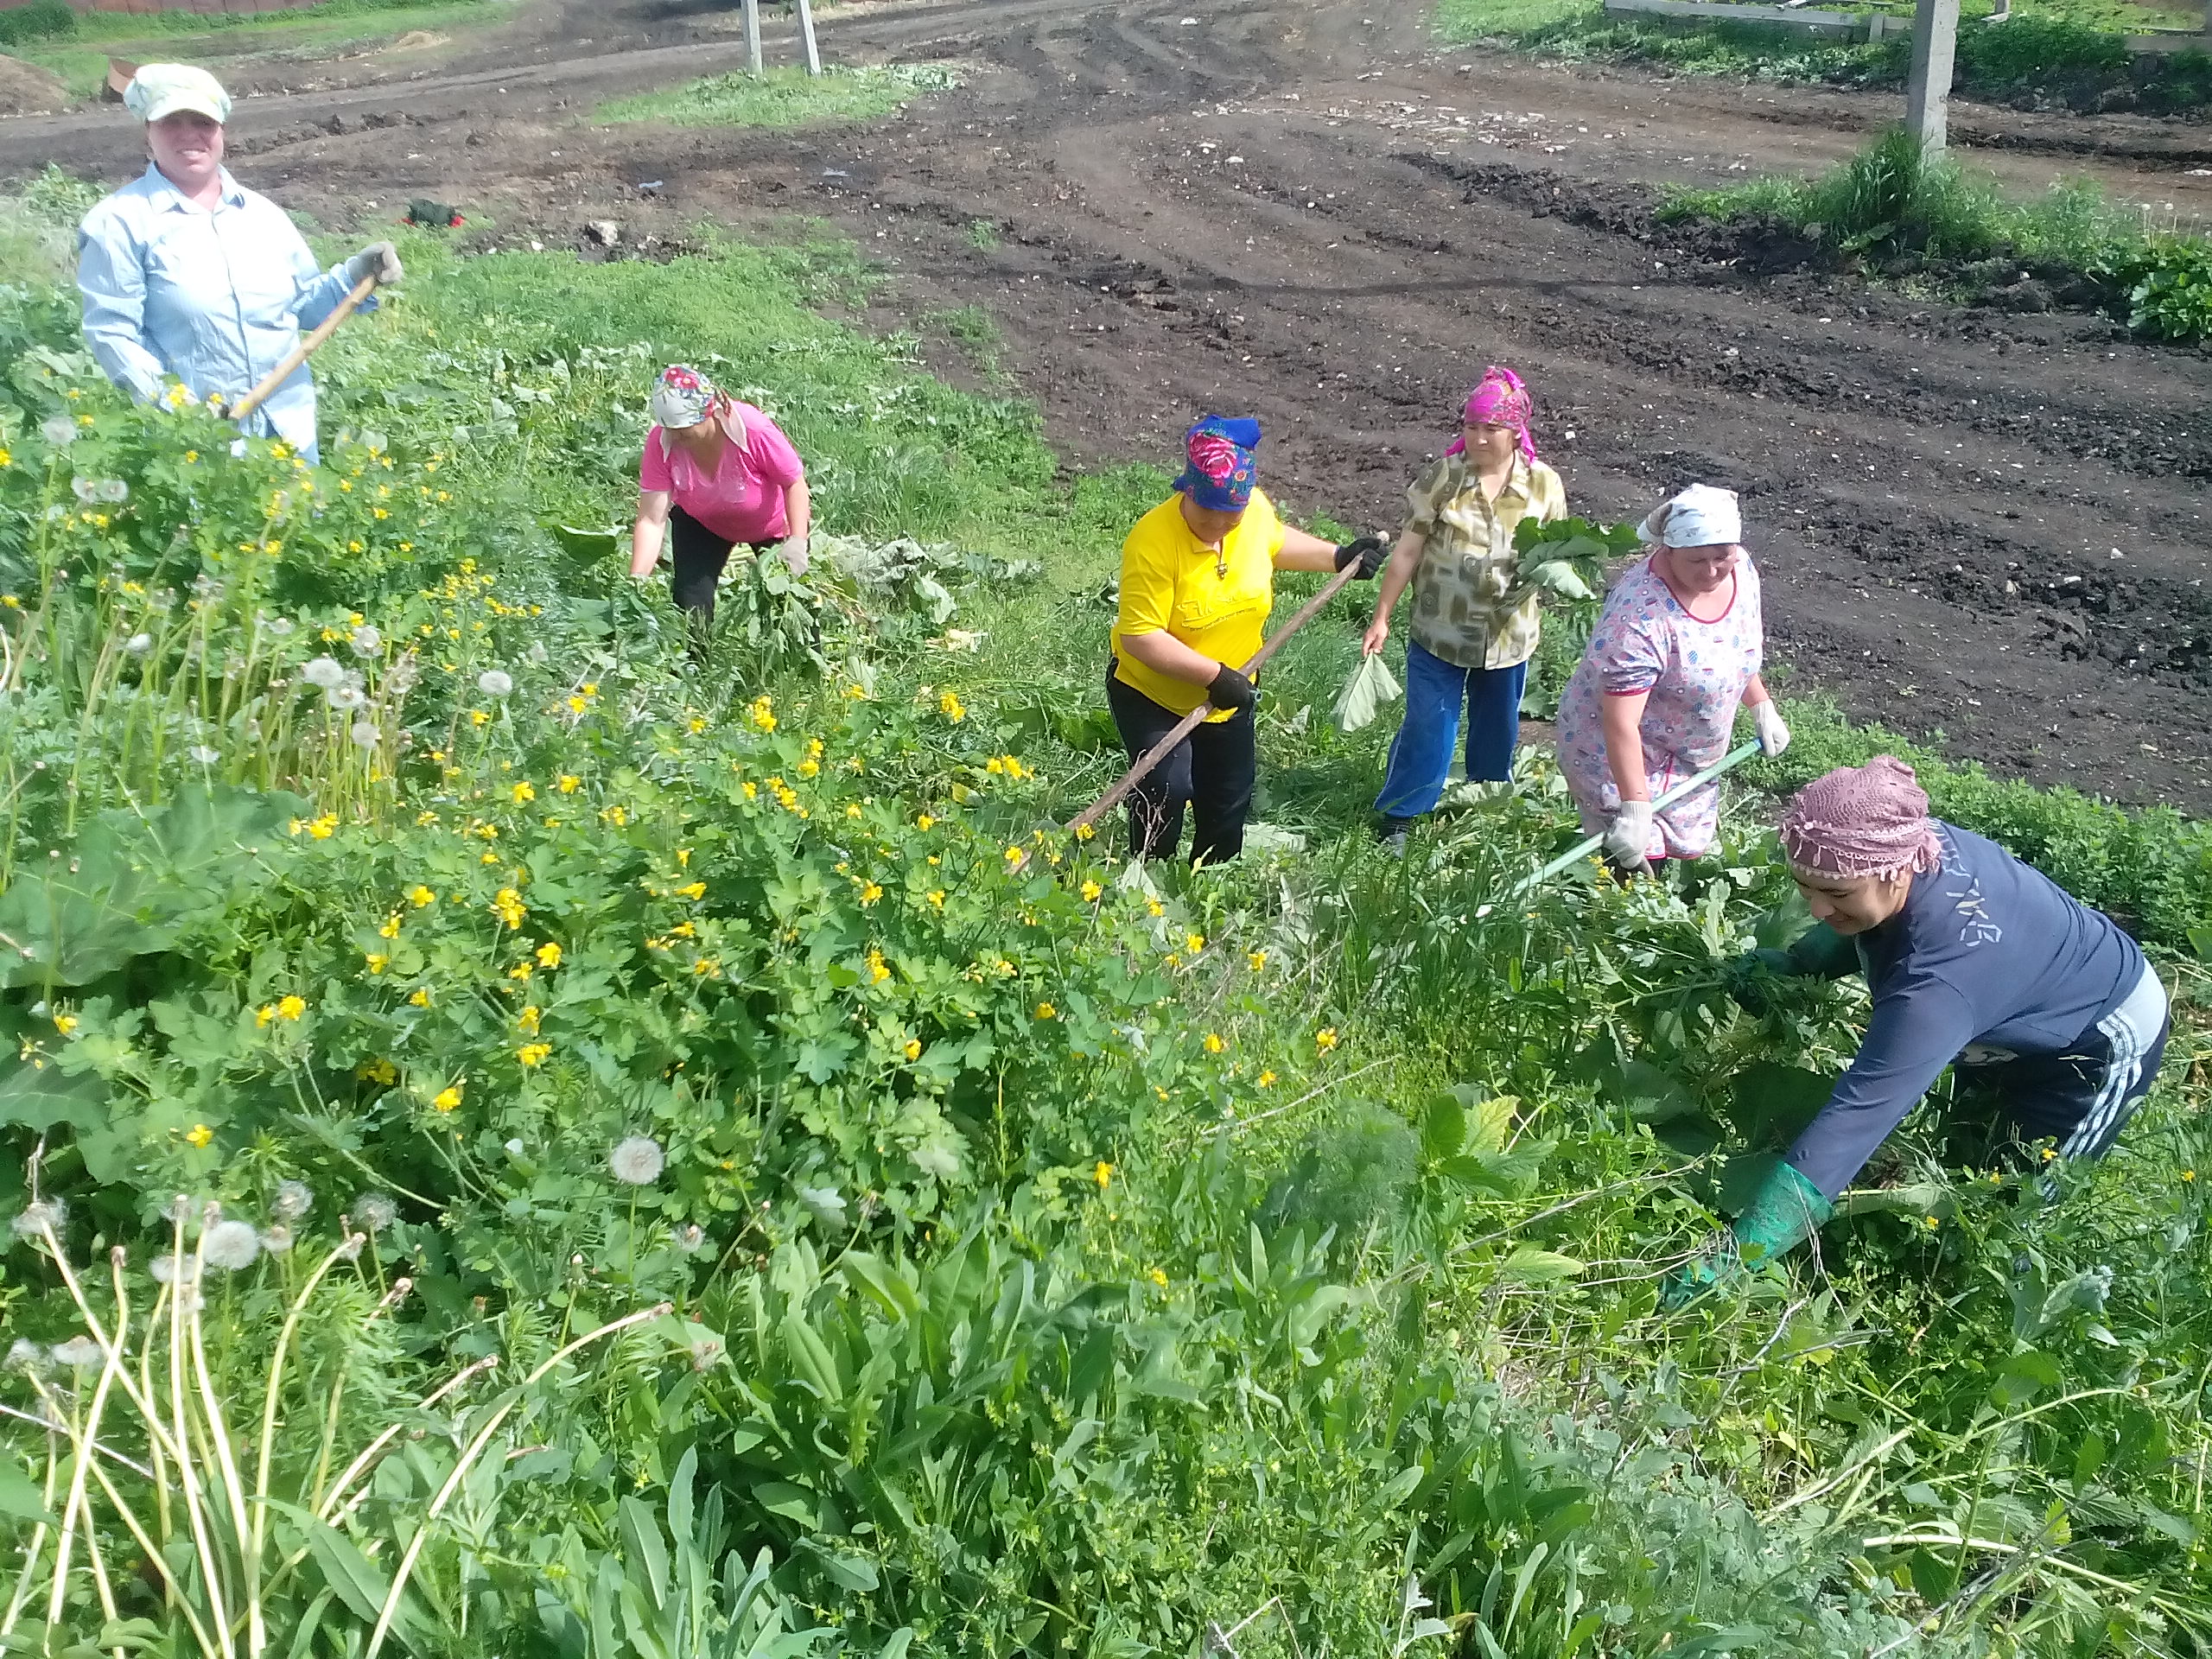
x: 1928, y: 94
x: 806, y: 33
x: 752, y: 35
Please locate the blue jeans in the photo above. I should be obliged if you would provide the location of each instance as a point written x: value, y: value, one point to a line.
x: 1420, y: 754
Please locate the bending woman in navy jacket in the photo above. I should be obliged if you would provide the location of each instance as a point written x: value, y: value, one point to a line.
x: 2049, y: 1011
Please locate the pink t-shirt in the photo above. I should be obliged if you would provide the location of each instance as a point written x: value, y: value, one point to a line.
x: 743, y: 500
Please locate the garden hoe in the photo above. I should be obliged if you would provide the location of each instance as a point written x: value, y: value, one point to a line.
x: 301, y: 352
x: 1160, y: 751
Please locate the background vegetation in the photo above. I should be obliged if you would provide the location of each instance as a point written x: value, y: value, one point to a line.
x: 604, y: 1158
x: 2066, y: 53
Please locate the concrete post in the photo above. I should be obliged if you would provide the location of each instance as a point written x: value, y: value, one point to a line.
x: 806, y: 33
x: 752, y: 33
x: 1928, y: 94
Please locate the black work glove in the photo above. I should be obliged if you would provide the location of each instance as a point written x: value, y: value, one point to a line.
x: 1230, y: 689
x: 1368, y: 552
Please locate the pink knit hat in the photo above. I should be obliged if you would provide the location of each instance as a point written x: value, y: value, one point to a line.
x: 1861, y: 821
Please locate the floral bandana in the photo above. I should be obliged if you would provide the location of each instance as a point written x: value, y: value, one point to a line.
x: 683, y: 396
x: 1500, y: 400
x: 1218, y: 475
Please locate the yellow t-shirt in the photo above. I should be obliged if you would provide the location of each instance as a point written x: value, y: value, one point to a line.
x: 1218, y: 605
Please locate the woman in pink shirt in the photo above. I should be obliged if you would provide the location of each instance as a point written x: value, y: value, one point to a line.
x: 717, y: 473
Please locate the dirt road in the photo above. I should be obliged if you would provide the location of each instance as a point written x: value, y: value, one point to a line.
x: 1989, y: 524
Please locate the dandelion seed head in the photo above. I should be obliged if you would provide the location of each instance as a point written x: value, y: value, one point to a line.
x: 139, y: 643
x: 41, y: 1216
x: 367, y: 642
x: 60, y: 431
x: 277, y: 1238
x: 77, y: 1354
x: 84, y: 489
x: 279, y: 625
x: 324, y: 671
x: 24, y: 1355
x: 375, y: 1212
x: 293, y: 1200
x: 365, y: 734
x: 690, y: 1238
x: 636, y: 1160
x: 495, y: 682
x: 345, y: 698
x: 231, y: 1245
x: 113, y: 490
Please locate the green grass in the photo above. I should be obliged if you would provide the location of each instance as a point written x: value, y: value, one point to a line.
x: 1893, y: 203
x: 785, y: 97
x: 1300, y: 1232
x: 214, y: 41
x: 2065, y: 51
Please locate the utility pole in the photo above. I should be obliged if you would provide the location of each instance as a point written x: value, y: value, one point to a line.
x: 1928, y: 94
x: 752, y: 33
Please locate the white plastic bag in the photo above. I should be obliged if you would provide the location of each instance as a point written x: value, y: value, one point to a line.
x: 1364, y: 694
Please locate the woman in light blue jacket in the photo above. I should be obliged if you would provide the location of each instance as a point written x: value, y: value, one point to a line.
x: 188, y: 277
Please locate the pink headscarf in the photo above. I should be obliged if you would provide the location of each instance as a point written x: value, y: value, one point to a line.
x: 1861, y: 821
x: 1500, y: 400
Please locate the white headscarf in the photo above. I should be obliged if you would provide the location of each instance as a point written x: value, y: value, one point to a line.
x: 1701, y: 516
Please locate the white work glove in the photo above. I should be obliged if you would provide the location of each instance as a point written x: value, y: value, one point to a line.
x: 1628, y: 838
x: 1767, y: 725
x: 794, y: 550
x: 379, y: 260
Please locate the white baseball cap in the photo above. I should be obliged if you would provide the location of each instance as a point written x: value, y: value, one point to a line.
x: 162, y: 89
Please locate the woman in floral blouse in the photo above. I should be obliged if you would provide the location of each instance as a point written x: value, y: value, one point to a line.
x: 1475, y: 624
x: 1676, y: 650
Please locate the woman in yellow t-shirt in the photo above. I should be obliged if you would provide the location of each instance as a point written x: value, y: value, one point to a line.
x: 1198, y: 580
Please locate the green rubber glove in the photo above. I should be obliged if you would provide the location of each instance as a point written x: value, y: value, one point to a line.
x: 1819, y: 953
x: 1782, y: 1215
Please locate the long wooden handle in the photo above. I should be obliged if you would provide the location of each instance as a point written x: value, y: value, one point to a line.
x: 1190, y: 722
x: 305, y: 349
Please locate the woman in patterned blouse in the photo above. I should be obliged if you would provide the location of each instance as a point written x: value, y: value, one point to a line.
x: 1475, y: 624
x: 1676, y: 650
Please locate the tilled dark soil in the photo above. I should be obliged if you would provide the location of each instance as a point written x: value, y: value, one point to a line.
x: 1983, y: 523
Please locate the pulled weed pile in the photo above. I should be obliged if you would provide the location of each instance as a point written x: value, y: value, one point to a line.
x: 519, y: 1147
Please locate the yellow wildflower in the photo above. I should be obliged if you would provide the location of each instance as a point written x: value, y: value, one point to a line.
x: 526, y: 1021
x: 531, y: 1053
x: 1157, y: 1277
x: 524, y: 794
x: 478, y: 717
x: 507, y: 903
x: 1194, y: 943
x: 1155, y: 907
x: 391, y: 928
x: 291, y: 1007
x: 949, y: 705
x: 1214, y: 1045
x: 913, y: 1048
x: 1258, y: 960
x: 870, y: 892
x: 1266, y: 1079
x: 1047, y: 1011
x: 521, y: 970
x: 198, y: 1134
x: 695, y: 891
x: 925, y: 821
x: 569, y: 783
x: 421, y: 997
x: 762, y: 714
x: 704, y: 967
x: 64, y: 1023
x: 377, y: 962
x: 1090, y: 893
x: 1085, y: 831
x: 1013, y: 857
x: 878, y: 970
x: 937, y: 898
x: 1325, y: 1038
x: 421, y: 896
x: 1102, y: 1172
x: 549, y: 955
x: 448, y: 1098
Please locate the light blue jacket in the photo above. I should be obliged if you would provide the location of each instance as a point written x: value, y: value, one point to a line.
x: 212, y: 298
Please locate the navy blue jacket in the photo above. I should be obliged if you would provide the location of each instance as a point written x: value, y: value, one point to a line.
x: 1986, y: 951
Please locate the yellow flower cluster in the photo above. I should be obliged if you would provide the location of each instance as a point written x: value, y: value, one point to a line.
x: 762, y: 713
x: 508, y: 905
x: 319, y: 828
x: 291, y: 1006
x: 1007, y: 766
x: 533, y: 1053
x: 447, y: 1099
x: 950, y: 706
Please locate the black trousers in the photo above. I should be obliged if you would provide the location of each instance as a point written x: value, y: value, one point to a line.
x: 699, y: 557
x: 1210, y: 770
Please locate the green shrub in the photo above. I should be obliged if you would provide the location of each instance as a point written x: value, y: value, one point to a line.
x: 41, y: 19
x: 2027, y: 52
x: 2170, y: 291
